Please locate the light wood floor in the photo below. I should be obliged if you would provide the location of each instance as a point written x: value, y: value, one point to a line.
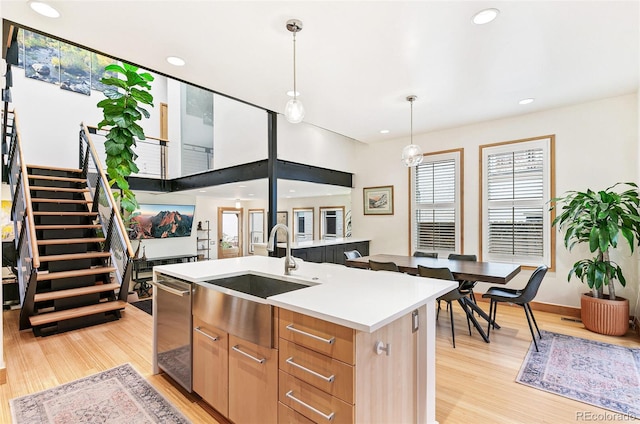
x: 475, y: 381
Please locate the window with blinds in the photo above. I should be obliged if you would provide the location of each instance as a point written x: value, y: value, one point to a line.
x: 516, y: 185
x: 436, y: 203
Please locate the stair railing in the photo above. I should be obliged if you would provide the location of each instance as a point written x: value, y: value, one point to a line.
x: 22, y: 215
x: 116, y: 236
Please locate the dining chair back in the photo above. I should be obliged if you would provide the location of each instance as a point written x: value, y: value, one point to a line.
x: 383, y: 266
x: 453, y: 295
x: 419, y: 254
x: 520, y: 297
x: 352, y: 254
x: 466, y: 286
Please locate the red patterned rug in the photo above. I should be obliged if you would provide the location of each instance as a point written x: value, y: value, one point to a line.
x: 600, y: 374
x: 116, y: 396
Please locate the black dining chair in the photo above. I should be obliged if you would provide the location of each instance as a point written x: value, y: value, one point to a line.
x: 455, y: 294
x: 466, y: 286
x: 383, y: 266
x: 520, y: 297
x: 352, y: 254
x: 418, y: 254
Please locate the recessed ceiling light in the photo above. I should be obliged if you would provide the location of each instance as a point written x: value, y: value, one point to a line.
x: 44, y: 9
x: 176, y: 61
x: 485, y: 16
x: 292, y: 191
x: 384, y: 131
x: 251, y: 194
x: 202, y: 191
x: 290, y: 93
x: 526, y: 101
x: 242, y: 186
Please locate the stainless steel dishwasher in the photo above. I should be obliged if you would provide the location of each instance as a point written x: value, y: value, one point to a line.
x: 172, y: 336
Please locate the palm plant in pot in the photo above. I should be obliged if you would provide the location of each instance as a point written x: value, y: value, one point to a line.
x: 598, y: 219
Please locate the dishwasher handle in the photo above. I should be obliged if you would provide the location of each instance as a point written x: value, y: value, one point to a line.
x: 178, y: 291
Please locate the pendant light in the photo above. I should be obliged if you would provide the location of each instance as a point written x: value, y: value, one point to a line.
x: 412, y: 154
x: 294, y: 110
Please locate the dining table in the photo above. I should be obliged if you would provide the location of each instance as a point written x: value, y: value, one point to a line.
x: 489, y: 272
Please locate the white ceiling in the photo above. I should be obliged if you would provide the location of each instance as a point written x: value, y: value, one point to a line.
x: 358, y: 60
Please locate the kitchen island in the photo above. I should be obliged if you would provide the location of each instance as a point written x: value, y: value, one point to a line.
x: 352, y: 345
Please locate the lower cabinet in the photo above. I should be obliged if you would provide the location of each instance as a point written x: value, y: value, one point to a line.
x: 210, y: 364
x: 253, y: 382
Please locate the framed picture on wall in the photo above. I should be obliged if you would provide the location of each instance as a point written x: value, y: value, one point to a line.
x: 378, y: 200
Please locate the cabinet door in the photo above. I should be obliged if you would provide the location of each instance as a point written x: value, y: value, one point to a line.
x: 253, y: 382
x: 210, y: 361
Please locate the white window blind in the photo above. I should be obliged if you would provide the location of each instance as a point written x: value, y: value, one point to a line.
x: 435, y: 201
x: 515, y: 215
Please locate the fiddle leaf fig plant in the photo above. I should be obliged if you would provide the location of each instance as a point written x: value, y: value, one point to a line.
x: 599, y: 218
x: 121, y: 111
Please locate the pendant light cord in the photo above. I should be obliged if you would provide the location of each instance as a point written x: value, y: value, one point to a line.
x: 411, y: 121
x: 295, y: 92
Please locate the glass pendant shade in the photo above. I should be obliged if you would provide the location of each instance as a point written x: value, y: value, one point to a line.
x: 294, y: 111
x: 412, y: 155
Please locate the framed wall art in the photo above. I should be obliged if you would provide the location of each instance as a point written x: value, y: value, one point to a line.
x: 378, y: 200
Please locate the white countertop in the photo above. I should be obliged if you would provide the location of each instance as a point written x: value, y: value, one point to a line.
x: 357, y: 298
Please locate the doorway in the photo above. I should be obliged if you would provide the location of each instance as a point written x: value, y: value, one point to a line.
x: 229, y: 233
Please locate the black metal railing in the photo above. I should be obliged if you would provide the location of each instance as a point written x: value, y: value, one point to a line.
x: 21, y: 214
x: 115, y: 234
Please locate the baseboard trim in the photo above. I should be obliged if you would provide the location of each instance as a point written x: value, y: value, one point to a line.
x: 569, y: 311
x: 3, y: 375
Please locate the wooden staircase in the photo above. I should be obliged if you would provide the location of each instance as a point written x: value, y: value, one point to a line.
x: 74, y: 285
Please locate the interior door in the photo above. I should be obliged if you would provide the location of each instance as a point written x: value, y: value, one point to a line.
x: 229, y: 233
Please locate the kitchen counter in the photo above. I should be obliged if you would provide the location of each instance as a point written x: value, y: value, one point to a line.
x: 382, y: 307
x: 328, y: 242
x: 360, y: 299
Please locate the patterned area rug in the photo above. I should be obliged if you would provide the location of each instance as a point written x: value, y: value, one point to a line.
x: 119, y: 395
x: 600, y: 374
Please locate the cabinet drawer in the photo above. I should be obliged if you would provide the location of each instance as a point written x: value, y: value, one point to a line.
x: 253, y: 382
x: 210, y: 376
x: 287, y: 415
x: 312, y: 402
x: 322, y: 336
x: 332, y: 376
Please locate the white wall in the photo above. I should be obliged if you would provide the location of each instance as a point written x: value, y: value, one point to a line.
x: 595, y: 144
x: 240, y: 133
x: 50, y: 118
x: 311, y: 145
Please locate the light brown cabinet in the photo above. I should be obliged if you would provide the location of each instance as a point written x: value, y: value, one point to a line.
x: 210, y: 364
x: 332, y: 372
x: 253, y: 382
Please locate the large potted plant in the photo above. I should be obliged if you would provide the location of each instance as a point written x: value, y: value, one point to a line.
x: 121, y: 110
x: 598, y: 219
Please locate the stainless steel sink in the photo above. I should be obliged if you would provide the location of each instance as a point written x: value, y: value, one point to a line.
x: 257, y: 285
x: 251, y: 320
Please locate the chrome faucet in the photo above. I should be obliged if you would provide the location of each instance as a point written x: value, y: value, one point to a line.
x: 289, y: 263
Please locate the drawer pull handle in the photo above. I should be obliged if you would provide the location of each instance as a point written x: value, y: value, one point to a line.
x: 213, y: 338
x: 260, y: 361
x: 290, y: 327
x: 312, y: 372
x: 306, y: 405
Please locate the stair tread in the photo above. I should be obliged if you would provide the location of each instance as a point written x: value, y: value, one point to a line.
x: 71, y: 241
x: 78, y: 291
x: 61, y: 189
x: 45, y: 200
x: 82, y: 311
x: 54, y: 168
x: 67, y: 226
x: 53, y: 178
x: 42, y: 276
x: 72, y: 256
x: 56, y: 213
